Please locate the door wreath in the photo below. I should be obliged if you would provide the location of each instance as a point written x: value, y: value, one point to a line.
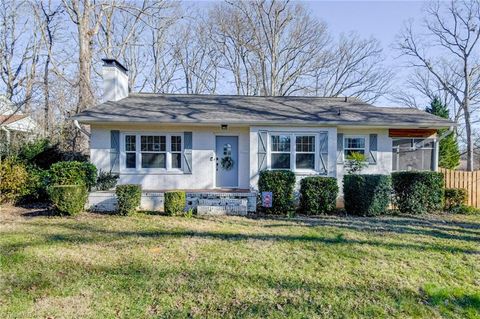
x: 227, y: 163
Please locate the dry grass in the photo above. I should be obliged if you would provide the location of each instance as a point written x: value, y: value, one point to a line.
x: 97, y: 266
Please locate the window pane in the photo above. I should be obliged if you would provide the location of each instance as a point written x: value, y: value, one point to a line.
x: 305, y: 161
x: 281, y: 161
x: 176, y: 160
x: 176, y: 143
x: 153, y: 143
x: 280, y: 143
x: 153, y: 160
x: 130, y: 143
x: 131, y: 160
x: 355, y: 142
x: 305, y: 143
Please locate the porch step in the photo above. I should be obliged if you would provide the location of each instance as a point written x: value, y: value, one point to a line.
x: 222, y: 206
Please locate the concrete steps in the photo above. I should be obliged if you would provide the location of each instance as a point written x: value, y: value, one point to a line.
x: 222, y: 206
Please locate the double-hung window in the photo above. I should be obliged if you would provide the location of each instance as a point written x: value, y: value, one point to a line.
x: 293, y: 151
x: 354, y: 144
x: 280, y: 152
x: 305, y: 152
x: 176, y: 151
x: 130, y: 151
x: 153, y: 151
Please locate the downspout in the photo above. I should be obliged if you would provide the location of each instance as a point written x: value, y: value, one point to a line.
x: 84, y: 131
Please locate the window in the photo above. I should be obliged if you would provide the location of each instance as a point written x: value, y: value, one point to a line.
x: 412, y: 154
x: 153, y: 149
x: 280, y: 152
x: 293, y: 151
x: 176, y: 147
x: 130, y: 151
x: 354, y: 144
x: 305, y: 152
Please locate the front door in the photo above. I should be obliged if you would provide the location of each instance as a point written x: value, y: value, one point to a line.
x: 227, y: 161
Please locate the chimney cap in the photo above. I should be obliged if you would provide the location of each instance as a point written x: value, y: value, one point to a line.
x: 115, y: 63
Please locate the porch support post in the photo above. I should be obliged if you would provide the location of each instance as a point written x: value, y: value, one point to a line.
x: 436, y: 149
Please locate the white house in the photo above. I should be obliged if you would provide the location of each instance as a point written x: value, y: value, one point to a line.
x: 220, y: 143
x: 14, y: 124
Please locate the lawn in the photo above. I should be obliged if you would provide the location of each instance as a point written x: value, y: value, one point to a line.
x: 99, y: 266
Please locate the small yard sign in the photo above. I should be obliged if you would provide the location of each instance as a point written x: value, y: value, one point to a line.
x: 267, y: 198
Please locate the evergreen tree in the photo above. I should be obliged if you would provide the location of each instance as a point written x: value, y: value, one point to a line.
x: 449, y: 155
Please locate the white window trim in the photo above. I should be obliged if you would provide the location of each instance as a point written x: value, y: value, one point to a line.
x: 366, y: 149
x: 168, y: 159
x: 293, y: 151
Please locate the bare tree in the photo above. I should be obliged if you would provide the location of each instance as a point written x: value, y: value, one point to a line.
x: 453, y: 31
x: 47, y: 18
x: 285, y: 39
x: 197, y: 58
x: 18, y: 52
x: 352, y: 67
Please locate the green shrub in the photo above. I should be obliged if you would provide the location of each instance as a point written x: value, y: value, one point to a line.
x: 355, y: 163
x: 367, y: 195
x: 13, y: 180
x: 40, y: 153
x: 128, y: 197
x: 281, y: 183
x: 106, y: 180
x: 175, y: 202
x: 68, y: 199
x: 418, y: 192
x: 465, y: 210
x: 73, y: 173
x: 37, y: 184
x: 454, y: 198
x: 318, y: 195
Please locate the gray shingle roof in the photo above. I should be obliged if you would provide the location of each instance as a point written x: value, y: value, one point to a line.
x: 252, y: 110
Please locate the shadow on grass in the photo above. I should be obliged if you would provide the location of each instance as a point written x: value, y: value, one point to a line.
x: 86, y: 233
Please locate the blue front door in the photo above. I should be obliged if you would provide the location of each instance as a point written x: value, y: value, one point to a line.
x: 227, y: 161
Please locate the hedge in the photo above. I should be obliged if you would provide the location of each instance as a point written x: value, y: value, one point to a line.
x: 128, y: 198
x: 455, y: 198
x: 73, y: 173
x: 318, y: 195
x: 68, y: 199
x: 281, y: 183
x: 175, y: 202
x: 418, y: 192
x: 367, y: 195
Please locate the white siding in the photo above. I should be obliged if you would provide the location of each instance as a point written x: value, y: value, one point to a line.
x: 203, y: 156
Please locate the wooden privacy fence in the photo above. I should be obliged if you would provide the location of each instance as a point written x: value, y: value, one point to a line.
x: 467, y: 180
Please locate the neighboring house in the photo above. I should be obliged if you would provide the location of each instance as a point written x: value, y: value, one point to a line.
x: 14, y: 125
x: 219, y: 142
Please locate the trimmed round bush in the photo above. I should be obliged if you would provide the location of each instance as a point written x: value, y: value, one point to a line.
x: 455, y: 198
x: 281, y: 183
x: 367, y: 195
x: 68, y: 199
x: 175, y: 202
x: 13, y: 180
x: 418, y: 192
x: 73, y: 173
x: 128, y: 198
x: 318, y: 195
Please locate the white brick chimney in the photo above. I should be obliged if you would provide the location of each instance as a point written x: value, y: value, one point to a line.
x: 115, y: 80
